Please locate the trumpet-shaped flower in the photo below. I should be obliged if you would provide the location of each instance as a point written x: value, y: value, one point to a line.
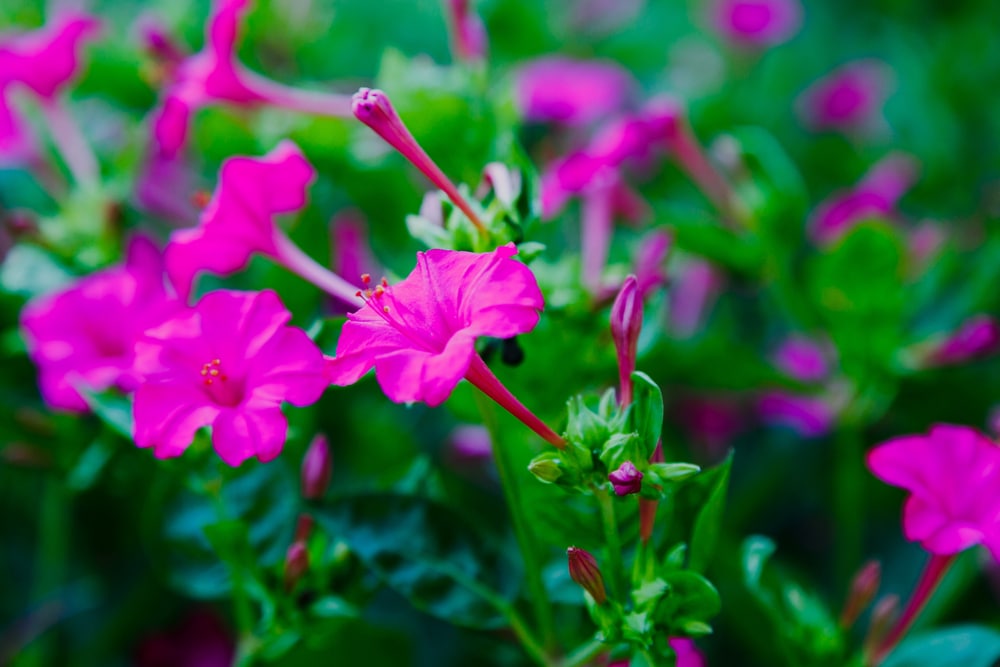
x: 83, y: 337
x: 952, y: 475
x: 228, y: 362
x: 849, y: 98
x: 756, y: 22
x: 239, y: 219
x: 419, y: 334
x: 573, y: 92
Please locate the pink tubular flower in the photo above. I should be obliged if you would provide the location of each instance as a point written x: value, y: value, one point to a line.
x: 215, y: 75
x: 848, y: 99
x: 200, y: 639
x: 239, y: 221
x: 626, y: 325
x: 952, y: 475
x: 468, y: 35
x: 229, y: 362
x: 572, y: 92
x: 875, y: 195
x: 757, y: 23
x: 419, y: 335
x: 83, y: 337
x: 46, y: 60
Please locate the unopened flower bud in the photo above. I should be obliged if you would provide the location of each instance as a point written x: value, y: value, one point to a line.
x: 977, y: 337
x: 584, y: 571
x: 469, y: 35
x: 545, y: 468
x: 373, y: 108
x: 296, y: 564
x: 303, y: 527
x: 316, y: 469
x: 626, y: 323
x: 627, y: 479
x: 883, y: 617
x: 864, y: 586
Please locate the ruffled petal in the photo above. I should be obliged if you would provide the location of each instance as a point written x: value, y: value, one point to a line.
x: 167, y: 416
x: 240, y: 434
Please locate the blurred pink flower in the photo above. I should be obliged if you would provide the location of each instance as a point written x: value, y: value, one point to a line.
x: 977, y: 337
x: 811, y: 416
x: 687, y: 652
x: 199, y: 640
x: 696, y: 284
x: 165, y: 188
x: 802, y: 359
x: 848, y: 99
x: 83, y: 337
x: 229, y: 363
x: 468, y: 35
x: 572, y: 92
x: 351, y: 256
x: 317, y: 468
x: 875, y: 196
x: 419, y: 334
x: 215, y: 75
x: 952, y: 475
x: 758, y: 23
x: 712, y: 421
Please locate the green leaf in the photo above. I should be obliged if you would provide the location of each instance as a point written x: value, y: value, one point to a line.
x: 30, y: 271
x: 646, y: 413
x: 692, y: 599
x: 965, y: 645
x: 708, y: 521
x: 649, y: 593
x: 424, y: 551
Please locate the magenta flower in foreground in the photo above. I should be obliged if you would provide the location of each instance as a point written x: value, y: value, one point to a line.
x: 756, y: 22
x: 848, y: 99
x: 239, y: 221
x: 572, y: 92
x: 83, y: 337
x: 419, y: 334
x: 953, y: 477
x: 875, y: 196
x: 229, y: 363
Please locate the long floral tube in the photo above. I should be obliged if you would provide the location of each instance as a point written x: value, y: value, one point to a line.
x: 297, y: 261
x: 483, y: 379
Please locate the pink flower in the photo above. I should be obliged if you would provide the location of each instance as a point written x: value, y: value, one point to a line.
x: 469, y: 39
x: 83, y: 337
x: 977, y: 337
x: 627, y: 479
x: 47, y: 59
x: 229, y: 362
x: 215, y: 75
x: 811, y: 416
x: 239, y: 221
x: 875, y: 196
x: 757, y: 23
x: 696, y: 286
x: 849, y: 98
x: 317, y: 467
x: 802, y: 359
x: 572, y: 92
x: 952, y: 475
x: 687, y: 652
x: 419, y: 334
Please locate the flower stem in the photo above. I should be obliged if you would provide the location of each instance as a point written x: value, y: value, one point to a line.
x: 480, y: 375
x: 72, y: 146
x: 584, y: 653
x: 848, y: 478
x: 298, y: 262
x: 692, y: 159
x: 313, y: 102
x: 932, y: 575
x: 522, y: 531
x: 612, y: 541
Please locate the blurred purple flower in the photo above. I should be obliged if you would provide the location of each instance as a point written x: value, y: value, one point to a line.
x: 696, y: 284
x: 161, y: 187
x: 711, y: 421
x: 802, y: 359
x: 83, y: 337
x: 757, y: 23
x: 977, y: 337
x: 875, y: 196
x: 626, y: 325
x: 952, y: 475
x: 848, y: 99
x: 468, y: 34
x: 199, y: 640
x: 229, y: 363
x: 470, y: 444
x: 317, y: 467
x: 924, y: 242
x: 626, y: 480
x: 811, y: 416
x: 571, y: 92
x: 351, y: 256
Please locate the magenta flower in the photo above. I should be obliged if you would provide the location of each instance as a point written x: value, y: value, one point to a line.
x: 468, y: 35
x: 802, y: 359
x: 83, y: 337
x: 47, y: 59
x: 626, y: 325
x: 952, y: 475
x: 419, y: 335
x: 758, y: 23
x: 572, y: 92
x: 687, y: 652
x: 317, y: 467
x: 977, y: 337
x: 627, y: 479
x: 848, y: 99
x: 875, y: 196
x: 229, y: 363
x: 215, y: 75
x: 239, y: 221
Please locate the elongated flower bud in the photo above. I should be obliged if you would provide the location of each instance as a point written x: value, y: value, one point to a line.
x: 303, y: 527
x: 884, y: 614
x: 583, y: 570
x: 626, y: 323
x: 296, y: 564
x: 373, y: 108
x: 468, y: 34
x: 626, y: 480
x: 316, y: 469
x: 864, y: 586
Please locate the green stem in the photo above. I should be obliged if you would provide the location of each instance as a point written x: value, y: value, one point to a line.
x: 584, y: 653
x: 242, y: 608
x: 53, y: 543
x: 531, y: 645
x: 612, y: 541
x: 522, y: 531
x: 848, y: 479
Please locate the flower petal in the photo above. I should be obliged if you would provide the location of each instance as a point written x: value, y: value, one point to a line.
x: 240, y: 434
x: 168, y: 415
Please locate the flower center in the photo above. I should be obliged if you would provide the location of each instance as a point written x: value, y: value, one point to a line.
x: 212, y: 371
x: 219, y: 386
x: 382, y: 302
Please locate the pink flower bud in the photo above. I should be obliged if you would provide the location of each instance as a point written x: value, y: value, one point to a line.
x: 864, y: 586
x: 316, y: 469
x: 626, y: 323
x: 883, y: 617
x: 584, y: 571
x: 303, y: 527
x: 978, y: 336
x: 626, y: 480
x: 296, y: 564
